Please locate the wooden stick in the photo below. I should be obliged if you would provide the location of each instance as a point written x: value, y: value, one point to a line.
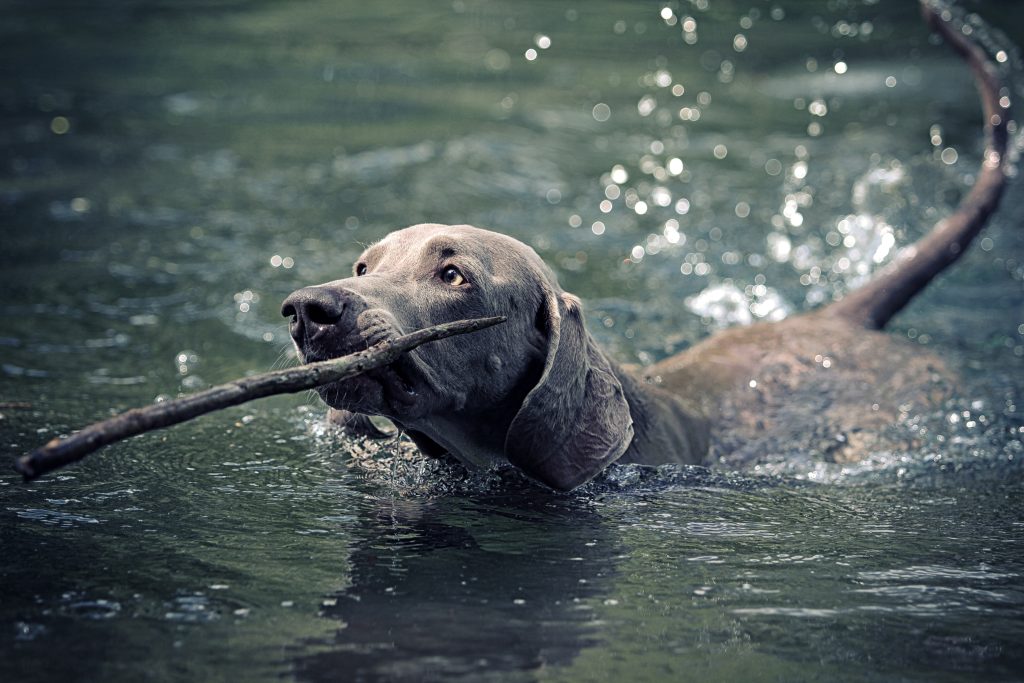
x: 59, y: 452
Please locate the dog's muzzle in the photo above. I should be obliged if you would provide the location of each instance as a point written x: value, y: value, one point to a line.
x: 322, y: 319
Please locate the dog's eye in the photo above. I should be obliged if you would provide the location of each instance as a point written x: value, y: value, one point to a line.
x: 361, y: 269
x: 452, y: 276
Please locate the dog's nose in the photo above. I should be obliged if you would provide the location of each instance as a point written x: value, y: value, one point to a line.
x: 312, y: 310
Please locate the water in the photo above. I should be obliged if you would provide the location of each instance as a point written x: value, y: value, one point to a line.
x: 170, y: 174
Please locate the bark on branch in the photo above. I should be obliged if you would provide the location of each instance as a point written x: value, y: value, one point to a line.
x: 60, y: 452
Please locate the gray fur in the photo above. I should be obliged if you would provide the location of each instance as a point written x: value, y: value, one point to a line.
x: 537, y: 391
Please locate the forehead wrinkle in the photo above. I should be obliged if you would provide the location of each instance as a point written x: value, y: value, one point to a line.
x: 452, y: 246
x: 442, y: 245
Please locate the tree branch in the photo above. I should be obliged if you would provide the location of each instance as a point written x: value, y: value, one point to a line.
x: 60, y: 452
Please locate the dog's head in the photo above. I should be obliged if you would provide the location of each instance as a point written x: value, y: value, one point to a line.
x: 536, y: 390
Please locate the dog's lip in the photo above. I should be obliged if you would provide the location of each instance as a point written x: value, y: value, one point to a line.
x: 401, y: 381
x: 356, y: 344
x: 397, y: 384
x: 400, y: 389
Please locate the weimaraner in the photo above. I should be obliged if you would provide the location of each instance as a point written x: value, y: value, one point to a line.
x: 538, y: 391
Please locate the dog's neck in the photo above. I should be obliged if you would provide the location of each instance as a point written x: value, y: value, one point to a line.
x: 475, y: 438
x: 664, y: 430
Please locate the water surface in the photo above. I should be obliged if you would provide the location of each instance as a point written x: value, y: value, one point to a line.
x: 170, y: 174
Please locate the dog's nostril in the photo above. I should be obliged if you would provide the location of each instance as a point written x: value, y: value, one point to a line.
x: 321, y: 315
x: 313, y: 307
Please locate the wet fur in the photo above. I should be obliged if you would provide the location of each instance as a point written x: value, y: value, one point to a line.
x: 540, y: 393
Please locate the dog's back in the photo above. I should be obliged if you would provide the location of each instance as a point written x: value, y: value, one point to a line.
x: 829, y: 382
x: 810, y: 384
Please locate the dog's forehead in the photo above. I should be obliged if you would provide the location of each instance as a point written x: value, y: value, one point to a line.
x: 497, y: 250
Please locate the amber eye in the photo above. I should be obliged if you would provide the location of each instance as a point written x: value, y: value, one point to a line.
x: 452, y: 276
x: 361, y: 269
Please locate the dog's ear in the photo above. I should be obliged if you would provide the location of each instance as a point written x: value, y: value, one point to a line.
x: 575, y: 421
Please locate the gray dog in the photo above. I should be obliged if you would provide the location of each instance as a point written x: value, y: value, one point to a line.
x: 538, y: 392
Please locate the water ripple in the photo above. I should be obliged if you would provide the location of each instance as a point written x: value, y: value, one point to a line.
x: 58, y: 518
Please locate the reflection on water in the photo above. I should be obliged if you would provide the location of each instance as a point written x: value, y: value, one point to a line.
x: 169, y: 176
x: 503, y: 584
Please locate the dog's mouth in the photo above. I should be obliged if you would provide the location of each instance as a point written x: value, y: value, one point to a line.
x: 397, y: 382
x: 392, y: 391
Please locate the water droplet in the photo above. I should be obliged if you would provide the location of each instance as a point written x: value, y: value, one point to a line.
x: 60, y: 125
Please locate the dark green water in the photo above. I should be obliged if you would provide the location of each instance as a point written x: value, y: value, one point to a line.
x: 170, y: 171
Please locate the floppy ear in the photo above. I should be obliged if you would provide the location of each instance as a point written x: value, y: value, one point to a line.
x: 575, y: 421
